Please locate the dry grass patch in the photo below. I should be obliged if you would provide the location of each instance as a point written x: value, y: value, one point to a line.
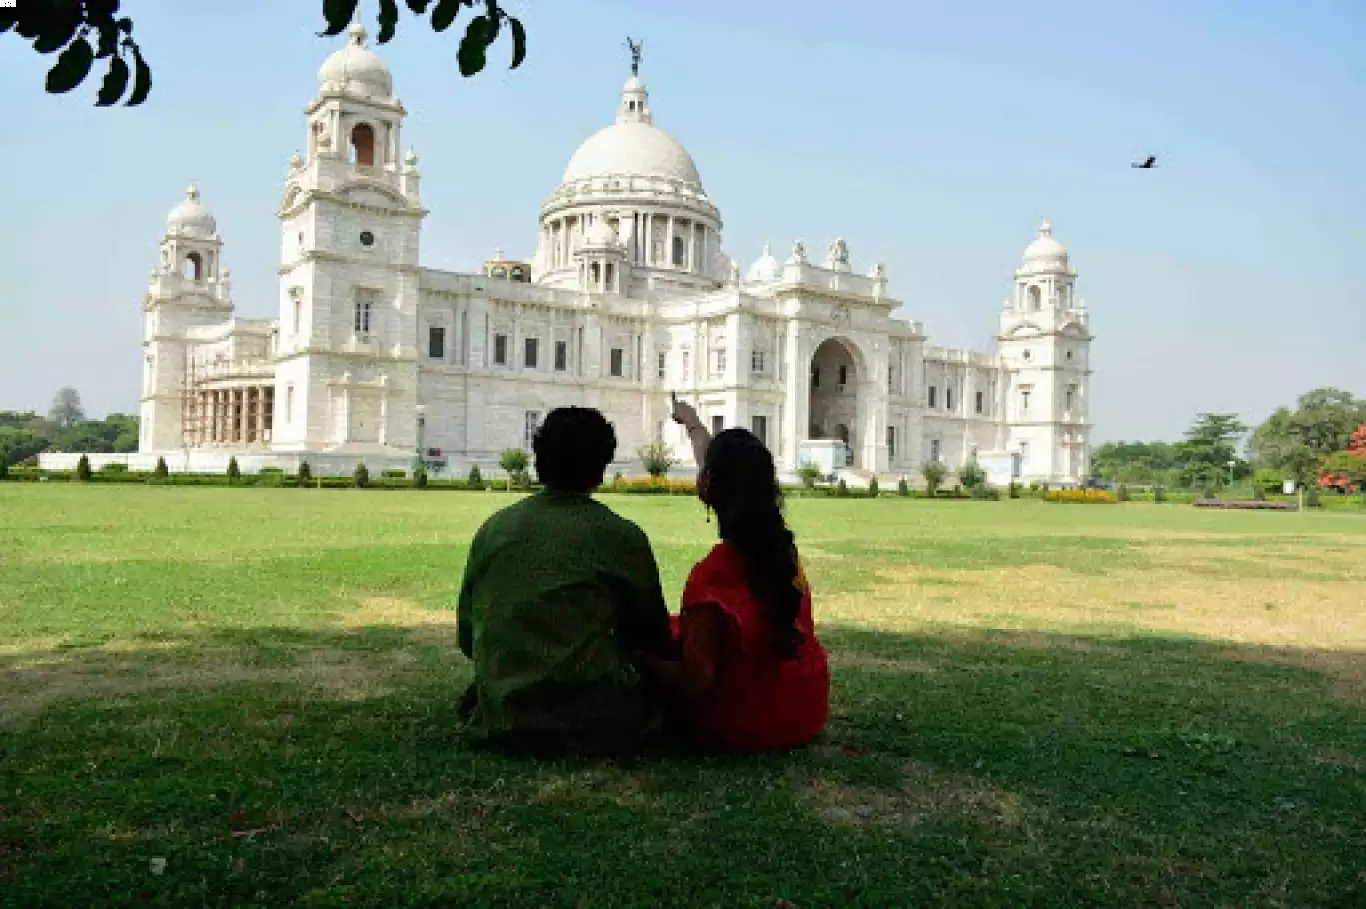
x: 626, y: 790
x: 924, y: 796
x: 429, y: 626
x: 1285, y: 612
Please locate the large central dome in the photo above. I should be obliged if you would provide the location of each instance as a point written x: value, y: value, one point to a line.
x: 632, y: 149
x: 633, y: 146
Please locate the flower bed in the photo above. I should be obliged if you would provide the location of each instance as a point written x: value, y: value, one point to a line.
x: 1080, y: 496
x: 1243, y: 505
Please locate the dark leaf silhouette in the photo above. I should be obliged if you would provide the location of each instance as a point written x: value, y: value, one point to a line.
x: 473, y: 53
x: 126, y: 26
x: 1147, y: 164
x: 108, y: 41
x: 388, y: 19
x: 59, y: 28
x: 494, y: 16
x: 338, y: 14
x: 71, y: 68
x: 115, y: 83
x: 32, y: 20
x: 419, y: 6
x: 444, y: 14
x: 518, y: 41
x: 7, y: 19
x: 142, y: 80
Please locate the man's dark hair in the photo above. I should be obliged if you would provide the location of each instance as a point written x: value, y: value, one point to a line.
x: 573, y: 447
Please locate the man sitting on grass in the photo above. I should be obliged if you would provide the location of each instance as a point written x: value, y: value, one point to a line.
x: 558, y: 592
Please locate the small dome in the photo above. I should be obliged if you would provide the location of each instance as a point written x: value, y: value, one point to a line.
x: 1045, y: 253
x: 765, y: 269
x: 600, y: 235
x: 357, y: 68
x: 632, y: 149
x: 190, y: 217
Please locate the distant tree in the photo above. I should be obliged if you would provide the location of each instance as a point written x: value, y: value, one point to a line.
x: 162, y: 471
x: 872, y: 488
x: 305, y: 475
x: 902, y: 489
x: 1346, y: 470
x: 657, y: 458
x: 234, y: 472
x: 972, y: 475
x: 1298, y: 441
x: 809, y: 473
x: 88, y: 30
x: 360, y: 477
x: 83, y: 469
x: 1210, y: 444
x: 933, y: 473
x: 420, y: 478
x: 475, y: 480
x: 66, y: 408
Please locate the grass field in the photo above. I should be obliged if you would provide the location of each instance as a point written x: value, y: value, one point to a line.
x: 244, y: 697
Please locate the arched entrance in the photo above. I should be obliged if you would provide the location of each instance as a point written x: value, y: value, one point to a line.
x: 835, y: 381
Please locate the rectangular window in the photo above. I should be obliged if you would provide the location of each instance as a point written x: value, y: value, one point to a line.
x: 719, y: 362
x: 1024, y: 400
x: 533, y: 422
x: 931, y: 396
x: 531, y: 353
x: 934, y: 450
x: 891, y: 443
x: 948, y: 399
x: 362, y: 321
x: 662, y: 365
x: 1071, y: 395
x: 289, y: 404
x: 844, y: 375
x: 980, y: 402
x: 756, y: 362
x: 891, y: 378
x: 298, y: 315
x: 500, y: 349
x: 687, y: 367
x: 561, y: 356
x: 718, y: 423
x: 436, y: 342
x: 1024, y: 454
x: 617, y: 358
x: 760, y: 425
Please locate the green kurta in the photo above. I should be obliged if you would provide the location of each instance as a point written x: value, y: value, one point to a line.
x: 557, y: 590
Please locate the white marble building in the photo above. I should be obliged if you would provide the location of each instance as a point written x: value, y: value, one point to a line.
x: 627, y: 297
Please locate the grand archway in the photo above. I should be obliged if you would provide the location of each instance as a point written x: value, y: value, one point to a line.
x: 835, y: 388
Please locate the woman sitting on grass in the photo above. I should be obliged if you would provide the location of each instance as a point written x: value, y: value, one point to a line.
x: 752, y: 675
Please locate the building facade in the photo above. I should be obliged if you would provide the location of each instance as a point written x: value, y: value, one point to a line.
x: 628, y: 297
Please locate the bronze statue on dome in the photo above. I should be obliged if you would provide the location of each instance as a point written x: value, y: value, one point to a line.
x: 635, y: 48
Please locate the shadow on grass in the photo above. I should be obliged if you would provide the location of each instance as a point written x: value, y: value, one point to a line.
x: 279, y: 767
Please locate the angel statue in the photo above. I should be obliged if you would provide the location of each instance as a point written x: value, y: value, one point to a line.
x: 635, y: 48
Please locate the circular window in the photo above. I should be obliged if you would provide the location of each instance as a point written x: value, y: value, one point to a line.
x: 367, y: 238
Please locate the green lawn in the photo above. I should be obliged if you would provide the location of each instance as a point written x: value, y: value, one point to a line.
x: 1034, y: 705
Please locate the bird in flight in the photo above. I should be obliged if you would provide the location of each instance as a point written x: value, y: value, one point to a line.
x: 1148, y: 164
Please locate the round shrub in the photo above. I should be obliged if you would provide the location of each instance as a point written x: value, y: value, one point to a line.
x: 305, y: 473
x: 83, y: 469
x: 361, y: 477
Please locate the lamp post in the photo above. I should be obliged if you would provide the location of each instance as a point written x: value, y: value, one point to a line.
x: 1231, y: 465
x: 420, y: 459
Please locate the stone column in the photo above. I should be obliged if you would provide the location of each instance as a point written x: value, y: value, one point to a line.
x: 240, y: 436
x: 260, y: 414
x: 669, y: 243
x: 797, y: 394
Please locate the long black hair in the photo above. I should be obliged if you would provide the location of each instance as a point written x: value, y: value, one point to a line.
x: 742, y: 487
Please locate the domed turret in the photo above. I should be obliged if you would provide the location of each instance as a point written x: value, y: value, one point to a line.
x: 765, y: 269
x: 191, y: 217
x: 356, y: 68
x: 1045, y: 254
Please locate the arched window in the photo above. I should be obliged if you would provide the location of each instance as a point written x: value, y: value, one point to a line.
x: 594, y: 274
x: 193, y: 268
x: 1035, y: 298
x: 608, y: 277
x: 363, y: 145
x: 679, y: 251
x: 519, y: 274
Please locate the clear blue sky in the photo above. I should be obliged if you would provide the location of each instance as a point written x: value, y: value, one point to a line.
x: 932, y: 136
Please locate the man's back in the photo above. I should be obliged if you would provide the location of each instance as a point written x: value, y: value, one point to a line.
x: 557, y: 589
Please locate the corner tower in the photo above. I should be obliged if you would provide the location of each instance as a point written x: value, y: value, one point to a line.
x: 351, y: 221
x: 1045, y: 349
